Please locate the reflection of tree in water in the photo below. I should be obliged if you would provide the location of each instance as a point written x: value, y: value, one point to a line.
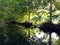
x: 34, y: 40
x: 12, y: 36
x: 46, y: 27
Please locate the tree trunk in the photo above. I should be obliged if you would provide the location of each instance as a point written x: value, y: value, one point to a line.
x: 59, y: 39
x: 49, y: 38
x: 28, y: 29
x: 50, y: 10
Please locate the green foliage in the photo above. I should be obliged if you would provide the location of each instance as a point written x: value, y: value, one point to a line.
x: 57, y: 5
x: 18, y: 10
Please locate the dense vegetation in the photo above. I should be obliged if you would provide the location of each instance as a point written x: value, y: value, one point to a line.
x: 35, y: 12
